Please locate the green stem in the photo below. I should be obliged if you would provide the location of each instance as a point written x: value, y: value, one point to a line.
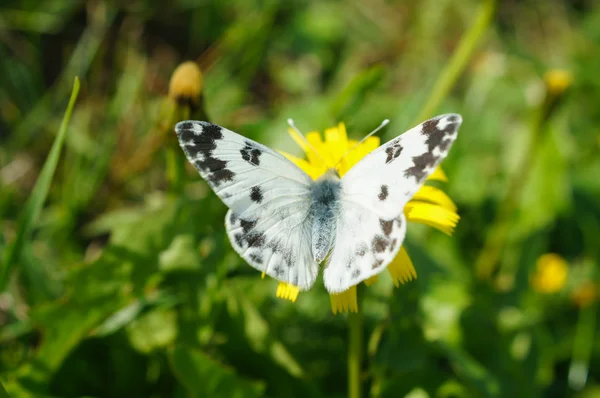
x: 355, y: 334
x: 461, y: 56
x: 582, y: 347
x: 33, y: 207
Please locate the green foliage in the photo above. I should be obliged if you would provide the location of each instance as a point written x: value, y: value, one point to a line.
x: 117, y: 277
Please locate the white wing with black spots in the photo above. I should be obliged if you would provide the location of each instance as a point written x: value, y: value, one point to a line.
x: 365, y: 244
x: 268, y: 197
x: 387, y: 178
x: 370, y: 226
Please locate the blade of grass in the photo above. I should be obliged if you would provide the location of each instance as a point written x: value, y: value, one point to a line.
x: 3, y: 393
x: 461, y: 56
x: 35, y: 202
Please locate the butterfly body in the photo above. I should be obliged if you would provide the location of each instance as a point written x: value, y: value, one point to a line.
x: 325, y: 197
x: 284, y: 224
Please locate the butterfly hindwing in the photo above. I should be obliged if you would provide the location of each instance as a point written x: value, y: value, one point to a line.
x: 268, y: 197
x: 365, y: 244
x: 370, y: 225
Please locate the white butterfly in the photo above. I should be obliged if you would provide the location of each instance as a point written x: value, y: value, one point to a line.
x: 284, y: 224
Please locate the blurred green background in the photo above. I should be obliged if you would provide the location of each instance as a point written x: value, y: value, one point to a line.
x: 117, y: 279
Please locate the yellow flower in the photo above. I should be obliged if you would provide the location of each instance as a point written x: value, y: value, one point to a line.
x: 551, y: 273
x: 557, y: 81
x: 429, y: 206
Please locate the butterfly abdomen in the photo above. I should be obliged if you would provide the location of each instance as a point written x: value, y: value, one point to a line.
x: 325, y: 194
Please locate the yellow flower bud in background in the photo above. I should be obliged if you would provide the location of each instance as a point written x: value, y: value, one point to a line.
x: 186, y: 82
x: 585, y: 294
x: 557, y: 81
x: 551, y: 274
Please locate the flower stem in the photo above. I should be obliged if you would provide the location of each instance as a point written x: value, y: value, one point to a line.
x: 458, y: 62
x: 355, y: 334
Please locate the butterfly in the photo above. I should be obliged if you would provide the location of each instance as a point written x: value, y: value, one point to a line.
x: 284, y: 224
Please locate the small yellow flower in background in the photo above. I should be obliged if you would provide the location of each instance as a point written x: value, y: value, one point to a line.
x: 430, y: 205
x: 186, y: 83
x: 585, y: 294
x: 558, y: 81
x: 551, y: 274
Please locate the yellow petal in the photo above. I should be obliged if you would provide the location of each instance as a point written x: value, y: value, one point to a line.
x: 287, y: 291
x: 313, y: 154
x: 355, y: 153
x: 433, y: 215
x: 401, y: 268
x: 313, y: 171
x: 345, y: 301
x: 438, y: 175
x: 336, y: 138
x: 434, y: 195
x: 371, y: 280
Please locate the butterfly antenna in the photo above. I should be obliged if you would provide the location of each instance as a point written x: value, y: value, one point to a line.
x: 292, y: 125
x: 382, y: 125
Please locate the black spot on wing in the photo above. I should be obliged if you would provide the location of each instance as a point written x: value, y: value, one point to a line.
x: 256, y: 194
x: 383, y: 193
x: 184, y: 126
x: 251, y: 154
x: 220, y: 176
x: 239, y: 240
x: 204, y: 137
x: 256, y: 257
x: 355, y: 274
x: 279, y: 271
x: 246, y: 225
x: 232, y: 218
x: 421, y: 164
x: 275, y: 245
x: 255, y: 239
x: 377, y: 264
x: 386, y: 226
x: 379, y: 243
x: 437, y: 137
x: 393, y: 151
x: 249, y: 237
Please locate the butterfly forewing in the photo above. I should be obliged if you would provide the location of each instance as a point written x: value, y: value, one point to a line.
x: 370, y: 223
x: 269, y: 199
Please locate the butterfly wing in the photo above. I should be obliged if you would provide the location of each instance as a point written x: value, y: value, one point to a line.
x: 268, y: 197
x: 371, y: 225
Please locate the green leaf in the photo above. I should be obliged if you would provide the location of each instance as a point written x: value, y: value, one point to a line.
x: 156, y: 329
x: 182, y: 254
x: 33, y: 207
x: 205, y: 377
